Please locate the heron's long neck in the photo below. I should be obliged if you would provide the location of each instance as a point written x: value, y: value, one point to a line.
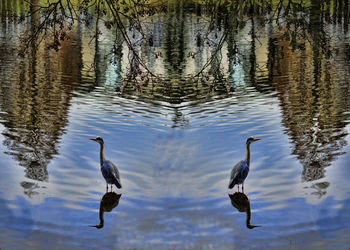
x: 247, y: 153
x: 102, y: 153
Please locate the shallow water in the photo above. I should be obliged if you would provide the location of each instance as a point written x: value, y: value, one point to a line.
x: 174, y: 151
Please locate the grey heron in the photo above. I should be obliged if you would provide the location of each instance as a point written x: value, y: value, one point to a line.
x: 240, y: 171
x: 109, y: 170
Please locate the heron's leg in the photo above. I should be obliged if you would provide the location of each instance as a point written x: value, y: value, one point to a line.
x: 238, y: 187
x: 111, y: 187
x: 243, y: 187
x: 106, y: 187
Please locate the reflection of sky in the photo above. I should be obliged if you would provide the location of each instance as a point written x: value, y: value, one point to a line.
x: 181, y: 222
x: 159, y: 161
x: 13, y: 172
x: 175, y: 180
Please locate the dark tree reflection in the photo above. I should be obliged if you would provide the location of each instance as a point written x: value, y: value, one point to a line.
x: 314, y: 99
x: 34, y: 100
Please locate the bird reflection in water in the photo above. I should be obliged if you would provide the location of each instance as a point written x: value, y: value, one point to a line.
x: 108, y: 202
x: 242, y: 203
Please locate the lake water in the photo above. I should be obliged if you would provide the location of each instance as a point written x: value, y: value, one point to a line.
x: 175, y: 147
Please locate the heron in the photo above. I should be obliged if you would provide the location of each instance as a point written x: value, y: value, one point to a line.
x: 109, y: 170
x: 240, y: 171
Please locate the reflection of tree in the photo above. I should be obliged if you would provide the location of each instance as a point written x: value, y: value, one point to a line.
x: 314, y: 99
x: 174, y: 41
x: 35, y: 102
x: 105, y: 59
x: 222, y: 40
x: 179, y: 119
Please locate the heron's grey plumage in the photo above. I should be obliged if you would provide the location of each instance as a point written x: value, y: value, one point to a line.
x: 108, y: 169
x: 240, y: 171
x: 110, y: 173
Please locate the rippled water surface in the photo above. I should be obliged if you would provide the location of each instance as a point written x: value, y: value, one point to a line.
x: 175, y: 150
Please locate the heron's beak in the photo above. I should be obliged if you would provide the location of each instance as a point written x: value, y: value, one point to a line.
x: 257, y: 139
x: 92, y: 139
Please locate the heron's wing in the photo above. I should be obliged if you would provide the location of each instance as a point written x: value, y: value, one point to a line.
x: 110, y: 171
x: 236, y: 172
x: 115, y: 174
x: 243, y: 172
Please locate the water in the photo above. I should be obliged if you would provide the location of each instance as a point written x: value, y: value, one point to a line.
x: 175, y: 148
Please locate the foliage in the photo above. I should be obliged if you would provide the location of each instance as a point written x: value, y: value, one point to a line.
x: 295, y: 19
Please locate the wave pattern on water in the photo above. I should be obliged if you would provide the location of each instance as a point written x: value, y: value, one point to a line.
x: 175, y: 146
